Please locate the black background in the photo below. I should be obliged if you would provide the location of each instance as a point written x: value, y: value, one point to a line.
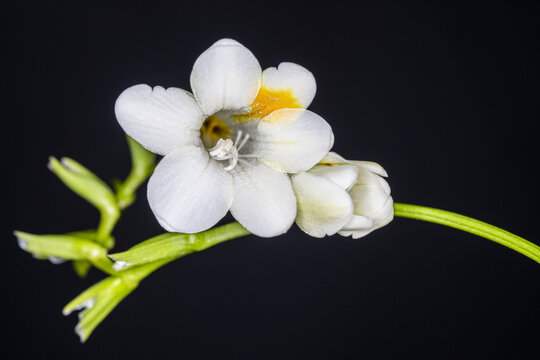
x: 445, y: 97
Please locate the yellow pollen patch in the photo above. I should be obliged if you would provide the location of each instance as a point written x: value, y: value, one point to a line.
x: 268, y: 100
x: 213, y: 129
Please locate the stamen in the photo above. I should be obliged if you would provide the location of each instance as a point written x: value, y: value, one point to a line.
x: 225, y: 150
x: 248, y: 156
x: 244, y: 141
x: 238, y: 136
x: 232, y: 164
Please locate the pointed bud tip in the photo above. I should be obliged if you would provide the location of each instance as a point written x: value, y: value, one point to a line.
x: 50, y: 166
x: 85, y: 305
x: 66, y: 162
x: 20, y: 241
x: 80, y: 333
x: 22, y: 244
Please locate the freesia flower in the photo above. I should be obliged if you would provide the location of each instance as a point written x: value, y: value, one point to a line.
x: 342, y: 196
x: 230, y: 144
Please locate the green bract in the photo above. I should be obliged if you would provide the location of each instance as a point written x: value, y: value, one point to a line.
x: 58, y: 248
x: 91, y: 188
x: 65, y: 247
x: 97, y: 302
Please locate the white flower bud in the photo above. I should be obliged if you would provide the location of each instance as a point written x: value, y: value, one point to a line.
x: 341, y: 196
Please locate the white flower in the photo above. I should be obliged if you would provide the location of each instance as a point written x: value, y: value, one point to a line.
x: 230, y: 145
x: 342, y: 196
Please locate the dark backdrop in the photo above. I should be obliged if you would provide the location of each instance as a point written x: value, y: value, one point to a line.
x: 445, y: 97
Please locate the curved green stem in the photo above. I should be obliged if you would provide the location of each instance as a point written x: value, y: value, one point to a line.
x: 104, y: 264
x: 171, y: 246
x: 143, y: 163
x: 107, y: 222
x: 470, y: 225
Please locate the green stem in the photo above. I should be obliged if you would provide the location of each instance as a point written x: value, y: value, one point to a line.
x: 470, y: 225
x: 126, y: 190
x: 136, y: 275
x: 143, y: 164
x: 104, y: 264
x: 171, y: 246
x: 205, y: 240
x: 220, y: 234
x: 107, y: 222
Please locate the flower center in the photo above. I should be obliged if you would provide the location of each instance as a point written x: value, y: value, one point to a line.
x: 216, y: 136
x: 218, y: 130
x: 213, y: 129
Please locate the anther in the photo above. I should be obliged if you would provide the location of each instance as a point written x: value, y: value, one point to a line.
x: 225, y: 150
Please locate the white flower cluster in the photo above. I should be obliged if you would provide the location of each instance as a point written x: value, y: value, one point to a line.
x: 243, y: 141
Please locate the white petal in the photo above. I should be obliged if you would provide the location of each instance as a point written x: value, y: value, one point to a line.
x: 264, y: 201
x: 373, y: 205
x: 358, y: 222
x: 292, y: 140
x: 189, y: 192
x: 356, y: 234
x: 359, y: 225
x: 290, y: 76
x: 333, y: 158
x: 160, y: 120
x: 371, y: 166
x: 323, y: 207
x: 372, y: 200
x: 370, y: 194
x: 343, y: 175
x: 227, y: 76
